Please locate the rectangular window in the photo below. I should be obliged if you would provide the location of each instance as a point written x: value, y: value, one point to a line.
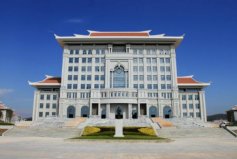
x: 184, y: 106
x: 102, y: 86
x: 154, y: 60
x: 69, y: 86
x: 141, y: 68
x: 154, y: 68
x: 183, y: 97
x: 140, y: 60
x: 168, y: 77
x: 135, y: 60
x: 41, y: 105
x: 162, y: 77
x: 75, y: 68
x: 191, y: 114
x: 89, y: 60
x: 70, y: 69
x: 88, y: 86
x: 48, y: 97
x: 42, y: 97
x: 97, y: 69
x: 83, y: 77
x: 89, y: 52
x: 89, y: 68
x: 141, y: 77
x: 102, y: 77
x: 76, y: 60
x: 155, y: 77
x: 190, y: 106
x: 53, y: 113
x: 71, y: 52
x: 102, y: 68
x: 46, y: 114
x: 54, y: 97
x: 70, y: 60
x: 47, y: 105
x: 167, y: 60
x: 88, y: 77
x: 69, y: 77
x: 167, y: 68
x: 162, y: 68
x: 142, y: 86
x: 197, y: 106
x: 196, y: 97
x: 83, y: 86
x: 135, y: 86
x: 54, y: 105
x: 96, y: 86
x: 97, y: 77
x: 83, y: 60
x: 74, y: 86
x: 135, y: 77
x: 97, y: 51
x: 168, y: 86
x: 162, y: 60
x: 149, y: 86
x: 40, y: 114
x: 135, y: 68
x: 75, y: 77
x: 190, y: 97
x: 155, y: 86
x: 102, y: 60
x: 198, y: 114
x: 185, y: 114
x: 148, y: 68
x: 149, y: 78
x: 148, y: 60
x: 163, y: 86
x: 77, y: 52
x: 97, y: 60
x: 83, y: 69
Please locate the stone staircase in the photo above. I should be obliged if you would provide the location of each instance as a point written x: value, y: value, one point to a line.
x: 73, y: 123
x: 23, y: 123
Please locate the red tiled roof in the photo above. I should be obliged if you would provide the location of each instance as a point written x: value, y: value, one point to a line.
x: 186, y: 80
x: 119, y: 34
x: 52, y: 80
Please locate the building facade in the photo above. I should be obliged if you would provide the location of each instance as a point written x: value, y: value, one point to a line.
x: 119, y: 75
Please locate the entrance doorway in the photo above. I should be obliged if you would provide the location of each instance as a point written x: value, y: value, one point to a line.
x: 71, y: 110
x: 153, y: 111
x: 85, y: 111
x: 118, y: 113
x: 167, y: 112
x: 143, y: 109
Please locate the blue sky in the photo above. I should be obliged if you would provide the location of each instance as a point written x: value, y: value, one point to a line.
x: 29, y: 50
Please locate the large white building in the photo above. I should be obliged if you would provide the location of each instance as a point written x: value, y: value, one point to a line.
x: 119, y: 75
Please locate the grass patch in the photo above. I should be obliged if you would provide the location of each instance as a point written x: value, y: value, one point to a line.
x: 130, y: 133
x: 4, y: 123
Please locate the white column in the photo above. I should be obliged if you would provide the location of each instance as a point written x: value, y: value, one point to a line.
x: 108, y: 110
x: 99, y: 110
x: 138, y: 110
x: 90, y: 109
x: 129, y: 111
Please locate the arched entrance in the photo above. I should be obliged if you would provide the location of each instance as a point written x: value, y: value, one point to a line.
x: 167, y: 112
x: 153, y: 111
x: 85, y: 111
x: 71, y: 112
x: 119, y: 113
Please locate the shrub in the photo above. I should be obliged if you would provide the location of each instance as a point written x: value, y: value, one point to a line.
x: 90, y: 130
x: 147, y: 131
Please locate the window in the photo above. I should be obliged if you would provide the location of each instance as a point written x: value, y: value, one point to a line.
x: 89, y: 77
x: 41, y: 105
x: 69, y: 77
x: 102, y: 60
x: 135, y: 60
x: 75, y: 77
x: 142, y: 86
x: 155, y: 86
x: 190, y: 106
x: 83, y: 60
x: 84, y: 52
x: 191, y: 114
x: 183, y: 97
x: 70, y: 68
x: 196, y: 97
x: 184, y: 106
x: 190, y: 97
x: 135, y: 68
x: 162, y: 86
x: 154, y: 68
x: 162, y: 69
x: 119, y: 77
x: 141, y: 77
x: 167, y: 60
x: 185, y: 114
x: 102, y: 68
x: 197, y: 106
x: 97, y: 60
x: 70, y: 60
x: 135, y: 77
x: 83, y: 69
x: 140, y: 51
x: 97, y: 69
x: 149, y: 86
x: 53, y: 113
x: 154, y: 60
x: 96, y: 86
x: 88, y: 86
x: 168, y: 86
x: 71, y: 52
x: 47, y: 114
x: 89, y: 60
x: 168, y: 68
x: 40, y: 114
x: 77, y: 52
x: 148, y: 60
x: 89, y: 52
x: 141, y: 68
x: 48, y: 97
x: 74, y: 86
x: 149, y: 77
x: 76, y: 60
x: 198, y: 114
x: 135, y: 86
x: 97, y: 51
x: 102, y: 77
x: 75, y: 68
x: 168, y: 77
x: 97, y: 77
x: 82, y: 86
x: 83, y: 77
x: 140, y: 60
x: 54, y: 97
x: 162, y: 60
x: 69, y: 86
x: 102, y: 86
x: 47, y: 105
x: 148, y: 68
x: 42, y: 97
x: 54, y: 105
x: 155, y: 77
x: 162, y: 77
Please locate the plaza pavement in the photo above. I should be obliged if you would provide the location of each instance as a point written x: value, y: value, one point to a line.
x: 58, y: 148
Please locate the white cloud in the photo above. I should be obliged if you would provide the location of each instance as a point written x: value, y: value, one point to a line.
x: 4, y: 91
x: 75, y: 20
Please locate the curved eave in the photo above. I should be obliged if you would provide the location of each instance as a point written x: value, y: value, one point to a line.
x: 34, y: 84
x: 193, y: 84
x: 135, y: 39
